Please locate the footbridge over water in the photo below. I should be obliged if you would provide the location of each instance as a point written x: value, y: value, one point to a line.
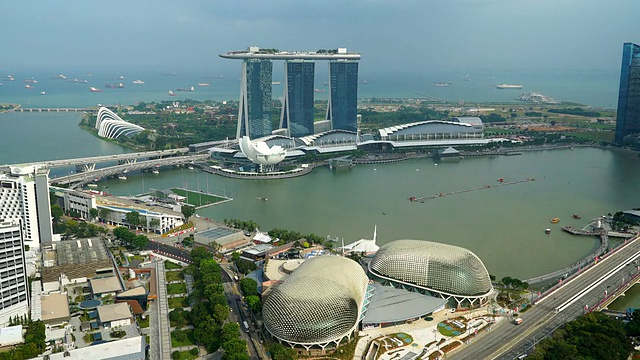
x: 79, y: 179
x: 88, y: 161
x: 21, y: 109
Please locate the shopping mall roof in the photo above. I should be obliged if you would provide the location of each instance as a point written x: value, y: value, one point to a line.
x: 389, y: 305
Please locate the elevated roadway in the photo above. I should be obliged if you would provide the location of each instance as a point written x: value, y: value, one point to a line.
x: 105, y: 158
x: 82, y: 178
x: 576, y: 296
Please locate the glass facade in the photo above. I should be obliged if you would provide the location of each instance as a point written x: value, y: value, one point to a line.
x: 343, y: 99
x: 254, y: 118
x: 297, y: 110
x: 628, y: 118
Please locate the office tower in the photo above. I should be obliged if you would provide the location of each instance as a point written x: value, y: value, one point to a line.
x: 297, y: 109
x: 14, y: 299
x: 628, y: 119
x: 24, y: 197
x: 254, y: 113
x: 343, y: 94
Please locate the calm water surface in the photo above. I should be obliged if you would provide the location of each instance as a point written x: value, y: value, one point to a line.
x: 503, y: 225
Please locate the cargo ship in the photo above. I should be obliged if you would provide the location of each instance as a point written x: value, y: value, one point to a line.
x: 509, y: 86
x: 190, y: 89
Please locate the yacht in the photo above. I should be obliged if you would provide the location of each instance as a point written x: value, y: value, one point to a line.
x: 138, y: 82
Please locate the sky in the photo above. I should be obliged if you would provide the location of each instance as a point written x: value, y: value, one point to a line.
x: 391, y: 35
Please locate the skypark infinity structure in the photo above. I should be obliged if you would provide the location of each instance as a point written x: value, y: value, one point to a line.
x: 296, y: 119
x: 111, y: 126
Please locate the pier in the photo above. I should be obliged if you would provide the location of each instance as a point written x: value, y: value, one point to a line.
x: 422, y: 199
x: 21, y: 109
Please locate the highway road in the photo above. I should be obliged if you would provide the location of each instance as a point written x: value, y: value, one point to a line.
x: 575, y: 297
x: 98, y: 159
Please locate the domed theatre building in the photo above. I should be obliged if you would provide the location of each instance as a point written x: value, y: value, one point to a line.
x: 446, y: 271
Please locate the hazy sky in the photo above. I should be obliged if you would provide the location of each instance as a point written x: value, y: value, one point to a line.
x: 457, y: 35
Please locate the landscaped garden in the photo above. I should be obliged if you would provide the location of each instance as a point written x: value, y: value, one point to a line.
x: 144, y: 323
x: 171, y: 266
x: 185, y: 355
x: 179, y: 301
x: 451, y: 328
x: 182, y: 338
x: 179, y: 288
x: 174, y: 276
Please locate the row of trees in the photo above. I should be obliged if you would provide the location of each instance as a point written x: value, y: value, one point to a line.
x: 248, y: 225
x: 249, y: 288
x: 243, y: 266
x: 211, y: 311
x: 130, y: 239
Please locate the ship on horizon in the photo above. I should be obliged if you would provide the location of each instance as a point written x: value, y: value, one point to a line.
x: 190, y: 89
x: 441, y: 83
x: 509, y: 86
x: 137, y: 82
x: 114, y: 86
x: 94, y: 89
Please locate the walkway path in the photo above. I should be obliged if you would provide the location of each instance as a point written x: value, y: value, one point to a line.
x: 163, y: 312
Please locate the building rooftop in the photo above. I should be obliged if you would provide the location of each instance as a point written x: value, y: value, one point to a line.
x: 105, y: 285
x: 218, y: 234
x: 112, y: 312
x: 136, y: 291
x: 389, y: 305
x: 11, y: 335
x: 54, y: 306
x: 259, y: 249
x: 269, y: 54
x: 125, y: 349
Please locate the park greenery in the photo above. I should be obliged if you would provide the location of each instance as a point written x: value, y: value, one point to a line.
x: 249, y: 288
x: 34, y: 340
x: 130, y: 239
x: 591, y: 336
x: 210, y: 312
x: 249, y: 225
x: 243, y: 266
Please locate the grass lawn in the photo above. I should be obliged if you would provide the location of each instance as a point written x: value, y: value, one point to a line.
x: 144, y: 323
x: 171, y: 266
x: 197, y: 199
x: 174, y: 276
x: 184, y: 355
x: 189, y: 340
x: 179, y: 288
x: 178, y: 302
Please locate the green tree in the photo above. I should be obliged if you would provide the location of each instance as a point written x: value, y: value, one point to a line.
x: 133, y: 218
x: 187, y: 211
x: 248, y: 287
x: 93, y: 213
x: 198, y: 254
x: 175, y: 355
x: 154, y: 223
x: 56, y: 212
x: 104, y: 214
x: 245, y: 266
x: 254, y: 303
x: 280, y: 352
x: 220, y: 313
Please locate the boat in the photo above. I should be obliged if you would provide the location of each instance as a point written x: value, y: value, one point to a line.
x: 467, y: 78
x: 576, y: 216
x: 501, y: 180
x: 171, y: 93
x: 261, y: 198
x: 441, y: 83
x: 43, y: 93
x: 275, y: 83
x: 137, y: 82
x: 155, y: 171
x: 94, y: 89
x: 319, y: 90
x: 190, y: 89
x: 92, y: 185
x: 30, y: 81
x: 115, y: 86
x: 547, y: 231
x: 203, y: 84
x: 555, y: 220
x: 122, y: 177
x: 509, y: 86
x: 60, y: 77
x: 190, y: 167
x: 28, y: 86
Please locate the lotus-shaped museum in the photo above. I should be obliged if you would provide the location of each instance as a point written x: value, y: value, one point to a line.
x: 260, y: 153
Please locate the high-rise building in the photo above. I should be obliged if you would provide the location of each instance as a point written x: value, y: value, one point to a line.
x: 14, y: 299
x: 628, y: 119
x: 24, y: 198
x: 254, y: 113
x: 343, y: 94
x: 297, y: 109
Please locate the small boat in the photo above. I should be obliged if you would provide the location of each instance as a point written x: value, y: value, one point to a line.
x: 155, y: 171
x: 261, y: 198
x: 547, y: 231
x: 137, y: 82
x: 28, y: 86
x: 441, y: 83
x: 203, y: 84
x: 275, y: 83
x: 190, y: 167
x: 413, y: 198
x: 555, y: 220
x: 122, y: 177
x: 576, y: 216
x: 94, y: 89
x: 319, y: 90
x: 171, y: 93
x: 43, y: 93
x: 189, y: 90
x: 92, y: 185
x: 501, y: 180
